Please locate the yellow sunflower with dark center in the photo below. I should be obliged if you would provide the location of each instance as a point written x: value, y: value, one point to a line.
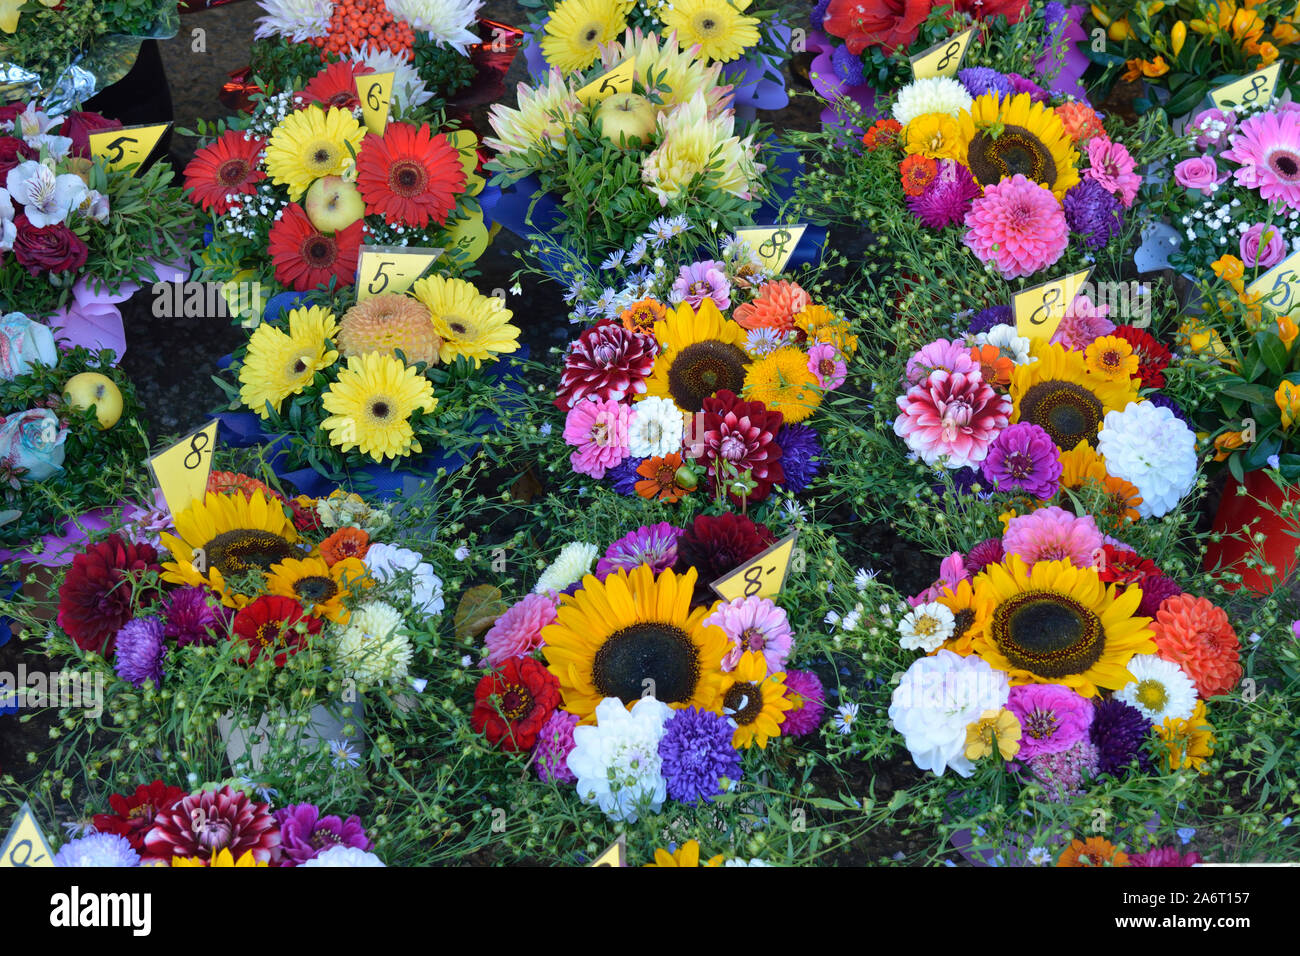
x: 634, y: 634
x: 1056, y: 623
x: 701, y: 353
x: 1009, y: 135
x: 1062, y: 397
x: 755, y: 700
x: 970, y: 615
x: 228, y: 535
x: 316, y: 585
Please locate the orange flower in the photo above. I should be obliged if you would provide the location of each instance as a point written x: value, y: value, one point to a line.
x: 224, y: 482
x: 917, y: 172
x: 1228, y: 268
x: 660, y: 476
x: 344, y: 543
x: 882, y: 133
x: 1227, y: 443
x: 994, y: 366
x: 1080, y: 121
x: 1136, y: 69
x: 1122, y: 500
x: 1287, y: 330
x: 1093, y: 851
x: 642, y: 316
x: 1196, y: 635
x: 775, y: 308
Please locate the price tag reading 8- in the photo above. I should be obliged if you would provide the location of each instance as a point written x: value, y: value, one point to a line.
x: 1255, y: 89
x: 1279, y: 287
x: 775, y: 245
x: 385, y: 270
x: 181, y: 472
x: 942, y: 59
x: 761, y: 576
x: 1040, y: 309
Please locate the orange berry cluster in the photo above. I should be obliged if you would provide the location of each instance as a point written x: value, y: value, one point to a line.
x: 355, y: 22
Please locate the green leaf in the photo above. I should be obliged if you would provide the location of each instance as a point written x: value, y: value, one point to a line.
x: 1272, y: 351
x: 1185, y: 100
x: 1255, y: 394
x: 1259, y: 452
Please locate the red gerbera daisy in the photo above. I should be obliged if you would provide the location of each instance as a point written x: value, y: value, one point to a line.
x: 229, y: 167
x: 1153, y: 358
x: 98, y: 595
x: 742, y: 434
x: 336, y: 85
x: 607, y: 361
x: 512, y: 703
x: 203, y: 824
x: 274, y: 625
x: 133, y: 816
x: 304, y: 257
x: 409, y: 176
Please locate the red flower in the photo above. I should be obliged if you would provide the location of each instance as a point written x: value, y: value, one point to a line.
x: 409, y: 176
x: 79, y: 125
x: 744, y: 435
x: 884, y: 23
x: 133, y: 816
x: 512, y: 703
x: 1118, y: 565
x: 917, y: 172
x: 305, y: 517
x: 336, y: 85
x: 11, y: 112
x: 207, y: 822
x: 98, y: 595
x: 717, y: 544
x: 274, y: 624
x: 606, y: 361
x: 224, y: 482
x: 227, y: 167
x: 41, y: 249
x: 1153, y: 358
x: 14, y: 151
x: 882, y: 133
x: 1013, y: 10
x: 304, y: 257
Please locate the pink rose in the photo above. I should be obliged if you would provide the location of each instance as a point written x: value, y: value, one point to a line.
x: 1263, y: 245
x: 1201, y: 173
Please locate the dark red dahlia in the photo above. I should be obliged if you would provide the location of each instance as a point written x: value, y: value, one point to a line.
x: 1153, y: 358
x: 607, y: 361
x: 742, y: 434
x: 513, y: 702
x: 274, y: 625
x: 103, y: 590
x: 133, y: 816
x: 982, y: 555
x: 203, y: 824
x: 1119, y: 565
x: 305, y: 517
x: 717, y: 544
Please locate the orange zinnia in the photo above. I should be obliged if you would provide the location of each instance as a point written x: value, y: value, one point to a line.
x: 775, y: 308
x: 1122, y: 500
x: 1093, y: 851
x: 994, y: 366
x: 660, y: 476
x: 224, y: 482
x: 344, y: 543
x: 1196, y: 635
x: 642, y: 316
x: 917, y: 172
x: 882, y: 132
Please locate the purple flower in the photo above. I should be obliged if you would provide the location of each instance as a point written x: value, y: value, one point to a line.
x: 948, y: 197
x: 305, y: 834
x: 801, y: 453
x: 703, y: 280
x: 1052, y: 718
x: 1024, y: 458
x: 190, y: 619
x: 655, y: 545
x: 1163, y: 856
x: 1022, y: 84
x: 806, y: 688
x: 697, y: 753
x: 1118, y: 732
x: 985, y: 319
x: 979, y: 80
x: 988, y: 551
x: 1263, y: 245
x: 1295, y: 629
x: 1063, y: 773
x: 551, y: 752
x: 624, y: 476
x: 818, y: 12
x: 848, y: 66
x: 1161, y: 400
x: 1155, y: 589
x: 140, y: 652
x: 1093, y: 212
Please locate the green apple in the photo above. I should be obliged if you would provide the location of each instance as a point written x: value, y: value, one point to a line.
x: 333, y: 203
x: 91, y: 388
x: 629, y: 115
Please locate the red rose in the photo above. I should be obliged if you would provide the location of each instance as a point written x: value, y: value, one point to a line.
x: 47, y: 248
x: 11, y: 112
x: 887, y: 24
x: 512, y: 703
x: 79, y: 126
x: 12, y: 152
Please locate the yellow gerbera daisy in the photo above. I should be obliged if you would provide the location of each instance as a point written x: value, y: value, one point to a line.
x: 700, y: 353
x: 1005, y: 135
x: 576, y: 29
x: 311, y: 143
x: 755, y: 700
x: 1060, y: 395
x: 316, y: 585
x: 934, y: 135
x: 719, y: 27
x: 688, y: 854
x: 371, y: 405
x: 1056, y: 623
x: 279, y: 364
x: 222, y: 857
x: 633, y: 633
x: 471, y: 324
x: 782, y: 381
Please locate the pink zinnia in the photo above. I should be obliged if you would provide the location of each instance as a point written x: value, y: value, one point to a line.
x: 754, y: 624
x: 952, y: 571
x: 518, y: 632
x: 1267, y: 148
x: 1083, y: 324
x: 598, y: 429
x: 1053, y: 534
x: 1164, y: 856
x: 804, y: 689
x: 1052, y: 718
x: 1112, y: 168
x: 1018, y: 226
x: 939, y: 354
x: 825, y: 362
x: 951, y: 415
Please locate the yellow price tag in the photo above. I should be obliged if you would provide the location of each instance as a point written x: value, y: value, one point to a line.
x: 775, y: 245
x: 391, y: 269
x: 375, y: 91
x: 1039, y: 309
x: 181, y: 472
x: 466, y: 144
x: 942, y: 59
x: 127, y: 146
x: 1254, y: 89
x: 25, y: 845
x: 469, y: 238
x: 1279, y: 286
x: 761, y: 576
x: 617, y: 80
x: 614, y: 855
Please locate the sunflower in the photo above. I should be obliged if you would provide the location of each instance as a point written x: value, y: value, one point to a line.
x: 222, y: 857
x: 633, y: 633
x: 309, y: 144
x: 1062, y: 397
x: 225, y: 535
x: 371, y: 404
x: 317, y: 586
x: 688, y: 854
x: 1187, y: 743
x: 755, y: 700
x: 410, y: 176
x: 701, y: 353
x: 782, y: 381
x: 1003, y: 136
x: 280, y: 364
x: 1055, y: 623
x: 576, y: 30
x: 719, y: 27
x: 971, y: 615
x: 471, y: 324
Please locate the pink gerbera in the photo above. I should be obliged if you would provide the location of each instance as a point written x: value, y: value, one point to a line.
x: 598, y: 429
x: 1053, y: 534
x: 1018, y: 226
x: 825, y: 362
x: 518, y: 632
x: 1112, y: 168
x: 939, y: 354
x: 754, y: 624
x: 1083, y: 323
x: 1267, y: 148
x: 951, y: 414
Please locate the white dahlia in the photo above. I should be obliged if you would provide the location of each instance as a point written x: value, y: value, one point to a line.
x: 447, y: 22
x: 344, y: 856
x: 617, y: 761
x: 373, y: 648
x: 1151, y: 449
x: 296, y: 20
x: 937, y: 699
x: 420, y: 585
x: 655, y: 429
x: 939, y: 94
x: 926, y: 627
x: 576, y: 559
x: 1160, y: 689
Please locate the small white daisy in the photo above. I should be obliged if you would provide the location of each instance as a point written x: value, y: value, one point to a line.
x: 845, y: 717
x: 1160, y: 689
x: 926, y: 628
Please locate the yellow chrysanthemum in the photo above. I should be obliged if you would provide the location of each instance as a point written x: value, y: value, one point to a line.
x: 228, y: 535
x: 279, y: 364
x: 699, y: 353
x: 631, y: 633
x: 371, y: 405
x: 316, y: 585
x: 576, y: 29
x: 694, y: 144
x: 222, y: 857
x: 1056, y: 623
x: 755, y: 700
x: 688, y: 854
x: 1188, y: 743
x: 934, y: 135
x: 543, y: 115
x: 311, y: 143
x: 676, y: 73
x: 782, y: 381
x: 471, y: 324
x: 1060, y: 395
x: 970, y: 614
x: 1005, y: 135
x: 1111, y: 358
x: 719, y: 27
x: 820, y: 324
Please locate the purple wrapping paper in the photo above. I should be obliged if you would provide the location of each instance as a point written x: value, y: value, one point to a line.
x: 93, y: 319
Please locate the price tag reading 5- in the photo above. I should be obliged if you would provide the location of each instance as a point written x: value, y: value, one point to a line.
x: 942, y: 59
x: 127, y: 145
x: 1039, y: 310
x: 382, y: 270
x: 1254, y: 89
x: 775, y: 245
x: 375, y: 90
x: 181, y: 471
x: 1279, y: 286
x: 617, y: 80
x: 761, y: 576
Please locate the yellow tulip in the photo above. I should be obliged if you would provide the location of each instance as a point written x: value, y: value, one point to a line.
x: 1287, y: 397
x: 1178, y: 36
x: 1100, y: 15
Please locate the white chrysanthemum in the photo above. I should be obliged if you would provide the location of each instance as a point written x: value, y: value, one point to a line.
x: 691, y: 143
x: 617, y: 761
x: 926, y: 628
x: 939, y: 94
x: 937, y: 699
x: 575, y: 560
x: 408, y: 89
x: 97, y: 850
x: 296, y: 20
x: 388, y: 562
x: 372, y: 648
x: 655, y: 429
x: 447, y: 22
x: 754, y: 862
x: 344, y: 856
x: 1151, y: 449
x: 1005, y: 337
x: 1160, y: 689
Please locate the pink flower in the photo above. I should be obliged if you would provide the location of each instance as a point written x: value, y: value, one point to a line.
x: 1112, y: 167
x: 1082, y: 324
x: 1200, y: 173
x: 939, y: 354
x: 1018, y: 226
x: 952, y: 415
x: 754, y: 624
x: 598, y: 429
x: 1212, y: 127
x: 1267, y: 148
x: 952, y: 571
x: 824, y: 361
x: 518, y: 632
x: 700, y: 281
x: 1053, y: 534
x: 1263, y: 245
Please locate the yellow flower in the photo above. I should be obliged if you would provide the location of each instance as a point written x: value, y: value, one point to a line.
x: 471, y: 324
x: 1064, y: 396
x: 1178, y: 36
x: 820, y: 324
x: 755, y: 700
x: 1119, y: 30
x: 1032, y: 140
x: 576, y: 30
x: 222, y: 857
x: 782, y: 381
x: 688, y: 854
x: 1287, y: 397
x: 676, y: 74
x: 934, y: 135
x: 312, y: 143
x: 1227, y: 443
x: 995, y: 728
x: 1202, y: 340
x: 371, y: 405
x: 1187, y: 742
x: 1228, y: 268
x: 700, y: 354
x: 317, y: 586
x: 693, y: 144
x: 719, y: 27
x: 279, y: 364
x: 1287, y: 330
x: 543, y: 115
x: 1112, y: 358
x: 1100, y: 15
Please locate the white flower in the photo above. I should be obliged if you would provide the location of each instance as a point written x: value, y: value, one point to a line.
x: 447, y: 22
x: 863, y: 578
x: 939, y: 94
x: 1039, y: 856
x: 461, y: 553
x: 1014, y: 345
x: 47, y: 197
x: 845, y: 716
x: 926, y: 628
x: 344, y: 856
x: 372, y: 648
x: 1148, y: 447
x: 656, y: 428
x: 617, y: 761
x: 575, y: 560
x: 754, y: 862
x: 1160, y: 689
x: 387, y: 562
x: 298, y: 20
x: 348, y: 510
x: 408, y: 89
x: 937, y: 699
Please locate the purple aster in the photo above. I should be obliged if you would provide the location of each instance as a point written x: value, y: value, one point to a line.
x: 985, y: 319
x: 1062, y: 774
x: 624, y: 476
x: 1163, y: 856
x: 551, y: 752
x: 948, y: 197
x: 697, y: 753
x: 1024, y: 458
x: 1021, y: 84
x: 97, y: 849
x: 1118, y: 731
x: 141, y: 649
x: 1052, y: 718
x: 1155, y: 589
x: 305, y: 834
x: 805, y: 689
x: 655, y: 545
x: 818, y: 12
x: 979, y: 80
x: 190, y: 619
x: 848, y: 66
x: 1054, y: 15
x: 703, y: 280
x: 1161, y: 400
x: 987, y: 552
x: 801, y: 454
x: 1093, y: 212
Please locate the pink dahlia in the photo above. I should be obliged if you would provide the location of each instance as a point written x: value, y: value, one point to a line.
x: 518, y: 632
x: 1018, y: 226
x: 939, y: 354
x: 754, y: 624
x: 1111, y: 167
x: 1082, y: 324
x: 804, y: 690
x: 947, y: 198
x: 743, y: 434
x: 952, y: 415
x: 828, y: 365
x: 1267, y: 150
x: 209, y: 821
x: 598, y: 429
x: 1053, y: 534
x: 606, y: 361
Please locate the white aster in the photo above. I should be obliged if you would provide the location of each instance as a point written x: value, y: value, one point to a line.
x: 575, y: 559
x: 1151, y: 449
x: 421, y: 586
x: 1160, y: 689
x: 937, y: 699
x: 296, y: 20
x: 926, y: 628
x: 939, y: 94
x: 447, y: 22
x: 1039, y: 856
x: 373, y: 648
x: 845, y: 716
x: 617, y: 761
x: 655, y: 429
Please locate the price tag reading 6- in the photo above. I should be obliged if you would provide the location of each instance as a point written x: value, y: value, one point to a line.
x: 385, y: 270
x: 1279, y: 287
x: 375, y: 90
